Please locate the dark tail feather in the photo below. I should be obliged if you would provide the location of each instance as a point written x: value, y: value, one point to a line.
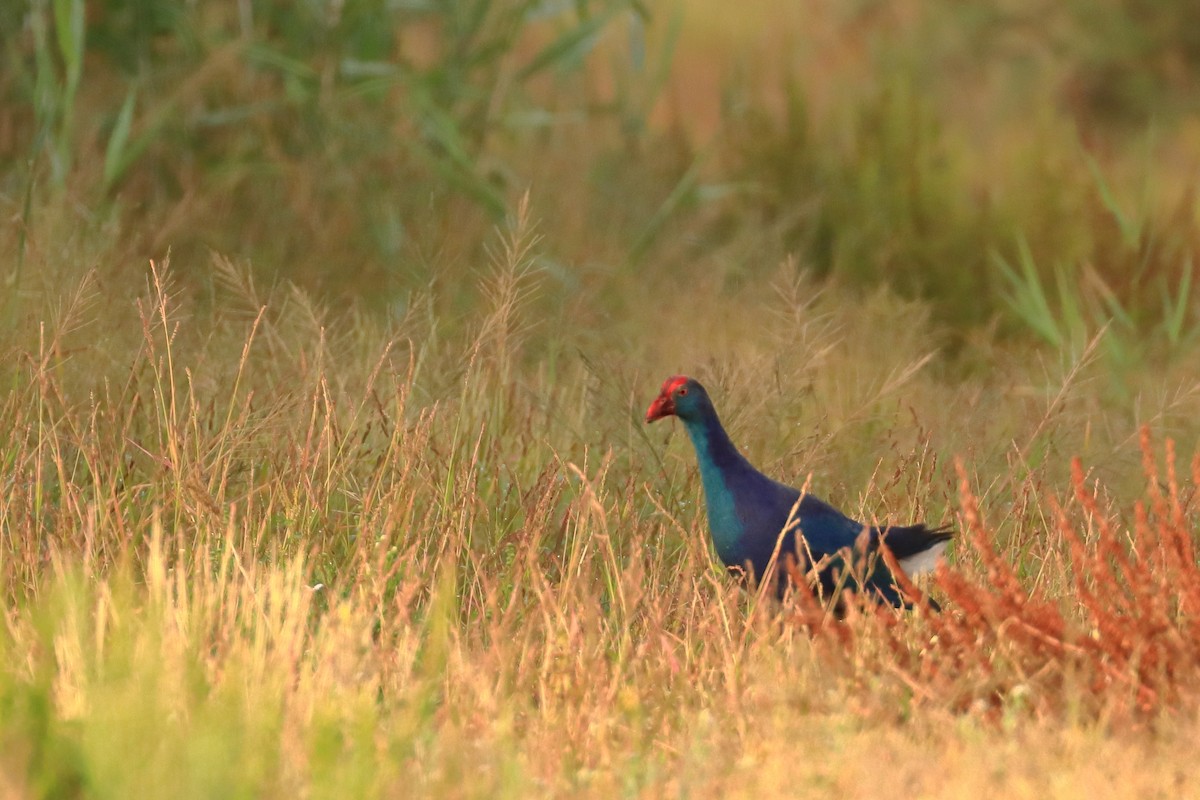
x: 909, y: 540
x: 916, y: 549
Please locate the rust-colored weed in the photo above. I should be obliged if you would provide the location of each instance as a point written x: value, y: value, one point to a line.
x: 1122, y: 641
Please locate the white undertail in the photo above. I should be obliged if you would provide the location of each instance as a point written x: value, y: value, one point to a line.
x: 924, y: 561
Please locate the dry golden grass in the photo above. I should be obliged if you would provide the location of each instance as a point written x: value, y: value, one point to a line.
x: 354, y: 560
x: 362, y: 505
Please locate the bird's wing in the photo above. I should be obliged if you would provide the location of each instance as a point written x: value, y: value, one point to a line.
x: 825, y: 529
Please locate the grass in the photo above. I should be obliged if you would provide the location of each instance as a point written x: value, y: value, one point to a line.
x: 325, y: 365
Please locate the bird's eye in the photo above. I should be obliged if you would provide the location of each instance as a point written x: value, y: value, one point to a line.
x: 682, y: 391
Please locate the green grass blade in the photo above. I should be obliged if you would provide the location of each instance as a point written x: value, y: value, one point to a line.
x: 1026, y: 297
x: 69, y: 27
x: 571, y: 47
x: 116, y: 155
x: 1175, y: 309
x: 1131, y: 229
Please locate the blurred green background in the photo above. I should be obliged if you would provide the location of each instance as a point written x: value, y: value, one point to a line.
x: 1026, y: 163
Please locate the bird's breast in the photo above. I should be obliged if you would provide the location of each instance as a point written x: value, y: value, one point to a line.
x: 724, y: 525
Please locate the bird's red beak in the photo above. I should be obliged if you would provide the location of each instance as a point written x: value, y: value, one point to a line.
x: 663, y: 406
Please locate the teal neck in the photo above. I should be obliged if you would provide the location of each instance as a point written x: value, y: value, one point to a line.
x: 715, y: 454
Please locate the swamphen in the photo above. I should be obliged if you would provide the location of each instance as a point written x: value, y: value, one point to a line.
x: 747, y: 510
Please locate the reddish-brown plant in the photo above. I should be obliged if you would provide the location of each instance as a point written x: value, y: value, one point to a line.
x: 1122, y: 640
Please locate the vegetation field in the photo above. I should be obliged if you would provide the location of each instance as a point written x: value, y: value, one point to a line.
x: 327, y: 330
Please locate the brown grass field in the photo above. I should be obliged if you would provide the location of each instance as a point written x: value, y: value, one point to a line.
x: 327, y: 333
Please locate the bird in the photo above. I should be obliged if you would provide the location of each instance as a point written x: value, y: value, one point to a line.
x: 753, y: 518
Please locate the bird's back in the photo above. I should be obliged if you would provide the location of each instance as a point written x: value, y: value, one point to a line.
x: 764, y: 507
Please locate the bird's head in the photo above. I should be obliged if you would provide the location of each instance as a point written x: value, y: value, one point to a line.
x: 682, y: 397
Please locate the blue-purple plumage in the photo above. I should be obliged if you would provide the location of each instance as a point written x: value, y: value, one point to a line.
x: 747, y: 511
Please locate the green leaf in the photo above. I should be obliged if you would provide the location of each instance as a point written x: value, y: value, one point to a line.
x: 267, y: 57
x: 115, y: 154
x: 1074, y: 323
x: 1027, y: 297
x: 69, y: 26
x: 1116, y: 309
x: 683, y: 191
x: 1131, y: 231
x: 1175, y: 311
x: 572, y: 45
